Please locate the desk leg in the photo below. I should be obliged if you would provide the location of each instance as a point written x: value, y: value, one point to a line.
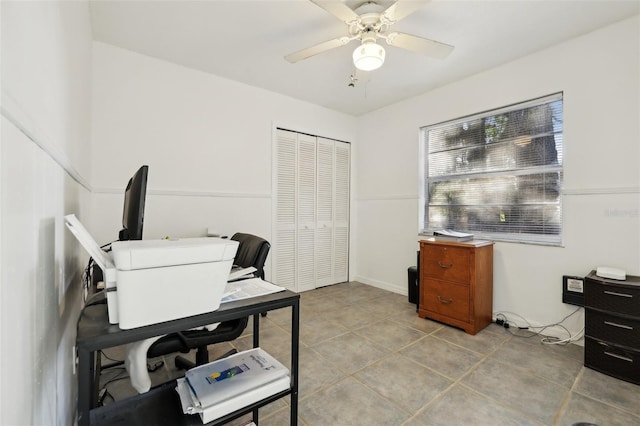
x: 256, y: 331
x: 295, y: 349
x: 85, y: 388
x: 256, y: 343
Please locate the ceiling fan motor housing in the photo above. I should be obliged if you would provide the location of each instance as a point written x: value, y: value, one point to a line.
x: 368, y: 22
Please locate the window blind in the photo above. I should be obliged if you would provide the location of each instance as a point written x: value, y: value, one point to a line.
x: 497, y: 174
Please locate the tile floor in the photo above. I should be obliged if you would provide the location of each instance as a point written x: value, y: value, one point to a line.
x: 366, y: 358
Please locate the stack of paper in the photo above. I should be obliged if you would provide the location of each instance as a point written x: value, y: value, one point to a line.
x: 246, y: 289
x: 451, y: 235
x: 221, y: 387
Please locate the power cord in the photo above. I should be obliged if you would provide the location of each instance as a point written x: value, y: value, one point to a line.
x: 103, y: 353
x: 117, y: 364
x: 104, y: 391
x: 86, y: 273
x: 86, y: 279
x: 550, y: 340
x: 501, y: 319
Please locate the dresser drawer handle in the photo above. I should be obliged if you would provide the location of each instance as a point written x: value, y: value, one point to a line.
x: 444, y: 301
x: 445, y: 266
x: 626, y: 327
x: 624, y: 358
x: 613, y: 293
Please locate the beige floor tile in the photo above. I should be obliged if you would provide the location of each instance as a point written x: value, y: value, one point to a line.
x: 349, y: 403
x: 582, y: 409
x: 462, y: 406
x: 518, y: 389
x: 390, y: 334
x: 366, y: 358
x: 614, y: 392
x: 559, y: 366
x: 484, y: 342
x: 350, y: 352
x: 319, y: 329
x: 442, y: 357
x: 402, y: 381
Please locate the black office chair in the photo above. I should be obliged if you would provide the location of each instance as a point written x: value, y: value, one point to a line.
x: 252, y: 251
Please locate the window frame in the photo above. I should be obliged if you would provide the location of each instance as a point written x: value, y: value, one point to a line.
x: 524, y: 238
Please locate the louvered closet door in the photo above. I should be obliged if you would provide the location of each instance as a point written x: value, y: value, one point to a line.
x: 325, y: 214
x: 306, y: 276
x: 284, y: 255
x: 311, y: 211
x: 341, y: 212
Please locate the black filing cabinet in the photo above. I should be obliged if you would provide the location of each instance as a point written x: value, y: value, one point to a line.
x: 612, y: 326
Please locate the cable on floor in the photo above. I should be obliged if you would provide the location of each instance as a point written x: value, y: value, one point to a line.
x: 502, y: 319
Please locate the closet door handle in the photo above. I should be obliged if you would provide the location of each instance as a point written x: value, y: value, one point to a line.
x: 444, y: 265
x: 445, y: 301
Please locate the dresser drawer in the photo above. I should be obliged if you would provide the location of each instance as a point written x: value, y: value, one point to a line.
x: 606, y: 296
x: 612, y: 328
x: 447, y: 299
x: 612, y: 360
x: 446, y: 263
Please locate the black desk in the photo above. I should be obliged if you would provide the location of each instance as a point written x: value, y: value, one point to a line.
x: 161, y: 404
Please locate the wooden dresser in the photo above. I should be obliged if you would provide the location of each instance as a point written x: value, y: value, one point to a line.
x: 456, y: 283
x: 612, y: 325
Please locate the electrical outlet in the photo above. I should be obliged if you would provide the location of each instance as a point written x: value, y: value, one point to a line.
x: 573, y: 290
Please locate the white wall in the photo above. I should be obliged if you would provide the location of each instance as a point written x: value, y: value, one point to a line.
x: 207, y: 141
x: 598, y: 74
x: 44, y: 153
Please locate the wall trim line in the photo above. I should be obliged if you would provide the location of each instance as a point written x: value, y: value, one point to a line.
x: 17, y: 118
x: 387, y: 197
x: 184, y: 193
x: 614, y: 190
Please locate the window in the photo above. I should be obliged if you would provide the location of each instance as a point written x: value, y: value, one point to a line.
x: 497, y: 174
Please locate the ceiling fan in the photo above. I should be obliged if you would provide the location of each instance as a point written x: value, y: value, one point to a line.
x: 367, y: 23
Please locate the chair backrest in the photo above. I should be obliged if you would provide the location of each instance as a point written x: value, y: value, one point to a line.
x: 252, y: 251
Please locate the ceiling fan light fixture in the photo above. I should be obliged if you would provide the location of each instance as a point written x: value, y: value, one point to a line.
x: 368, y: 56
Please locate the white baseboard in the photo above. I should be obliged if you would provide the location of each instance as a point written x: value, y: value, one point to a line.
x: 382, y: 285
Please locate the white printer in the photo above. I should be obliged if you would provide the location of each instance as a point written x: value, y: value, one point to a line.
x: 152, y: 281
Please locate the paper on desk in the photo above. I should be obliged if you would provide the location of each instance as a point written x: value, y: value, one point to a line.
x: 245, y: 289
x: 237, y: 273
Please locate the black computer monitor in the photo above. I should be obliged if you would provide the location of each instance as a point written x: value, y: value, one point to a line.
x: 133, y: 211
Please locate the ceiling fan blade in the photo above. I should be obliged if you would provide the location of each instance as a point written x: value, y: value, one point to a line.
x: 317, y: 49
x: 402, y: 9
x: 337, y: 9
x: 417, y: 44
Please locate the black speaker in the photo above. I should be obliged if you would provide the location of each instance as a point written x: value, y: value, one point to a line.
x: 413, y: 285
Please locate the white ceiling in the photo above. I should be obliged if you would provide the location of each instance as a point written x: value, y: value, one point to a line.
x: 246, y: 41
